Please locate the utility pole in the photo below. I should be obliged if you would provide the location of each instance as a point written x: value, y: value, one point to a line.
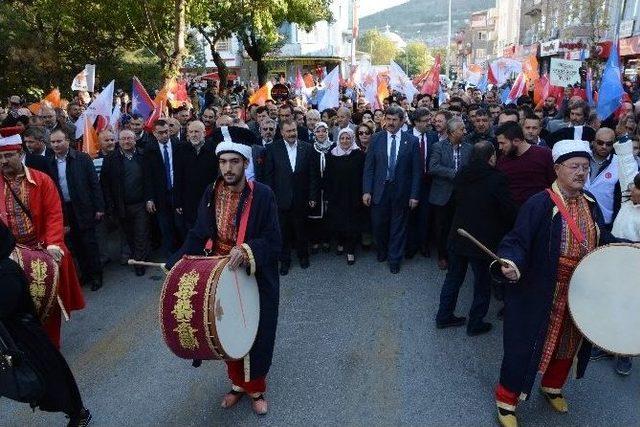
x: 448, y: 72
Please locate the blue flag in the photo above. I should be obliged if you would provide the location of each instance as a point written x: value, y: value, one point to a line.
x: 504, y: 95
x: 483, y: 83
x: 611, y: 89
x: 589, y: 88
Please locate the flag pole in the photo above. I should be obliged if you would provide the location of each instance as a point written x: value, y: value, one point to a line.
x: 448, y: 72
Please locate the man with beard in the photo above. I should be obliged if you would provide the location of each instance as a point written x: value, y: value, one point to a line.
x: 529, y: 168
x: 576, y: 127
x: 549, y: 108
x: 440, y: 124
x: 195, y: 168
x: 532, y: 127
x: 209, y: 119
x: 239, y: 218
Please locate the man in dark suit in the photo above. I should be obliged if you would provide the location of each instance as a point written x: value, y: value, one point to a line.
x: 158, y: 169
x: 578, y: 114
x: 447, y: 158
x: 285, y: 113
x: 391, y: 186
x: 417, y: 237
x: 290, y: 173
x: 83, y: 205
x: 121, y: 178
x: 37, y: 154
x: 196, y: 166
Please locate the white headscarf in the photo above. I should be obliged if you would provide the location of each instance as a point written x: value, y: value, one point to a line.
x: 338, y: 150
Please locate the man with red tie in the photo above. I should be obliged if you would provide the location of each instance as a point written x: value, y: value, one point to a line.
x: 418, y: 235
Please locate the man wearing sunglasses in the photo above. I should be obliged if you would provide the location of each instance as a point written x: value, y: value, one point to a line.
x: 603, y: 180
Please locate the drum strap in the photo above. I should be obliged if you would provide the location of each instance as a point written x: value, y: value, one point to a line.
x: 573, y: 226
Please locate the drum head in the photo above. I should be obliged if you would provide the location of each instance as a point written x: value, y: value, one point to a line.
x: 236, y: 307
x: 604, y: 298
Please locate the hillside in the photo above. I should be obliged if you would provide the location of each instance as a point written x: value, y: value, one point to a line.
x: 424, y: 19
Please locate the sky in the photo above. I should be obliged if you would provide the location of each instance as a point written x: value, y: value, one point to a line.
x: 369, y: 7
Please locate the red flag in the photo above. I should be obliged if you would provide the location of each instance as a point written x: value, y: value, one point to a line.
x: 541, y: 90
x: 432, y: 81
x: 518, y: 89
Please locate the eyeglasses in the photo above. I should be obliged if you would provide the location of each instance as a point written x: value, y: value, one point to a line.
x: 607, y: 143
x: 576, y: 168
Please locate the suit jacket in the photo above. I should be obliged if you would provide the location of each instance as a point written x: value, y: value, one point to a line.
x: 112, y: 181
x: 303, y: 134
x: 258, y: 154
x: 408, y: 171
x: 155, y: 178
x: 293, y: 189
x: 38, y: 162
x: 84, y: 189
x: 441, y: 168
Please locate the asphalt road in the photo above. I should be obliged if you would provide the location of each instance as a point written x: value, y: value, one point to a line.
x: 356, y: 346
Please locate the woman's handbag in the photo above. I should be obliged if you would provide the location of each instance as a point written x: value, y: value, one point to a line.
x: 19, y: 379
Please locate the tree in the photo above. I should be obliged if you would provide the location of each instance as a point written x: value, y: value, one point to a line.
x: 260, y: 31
x: 415, y: 59
x: 381, y: 49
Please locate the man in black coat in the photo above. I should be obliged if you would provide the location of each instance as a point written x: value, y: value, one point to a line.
x: 196, y: 167
x: 122, y: 183
x: 159, y: 180
x: 290, y: 173
x: 37, y: 155
x: 285, y: 113
x: 83, y: 205
x: 485, y: 209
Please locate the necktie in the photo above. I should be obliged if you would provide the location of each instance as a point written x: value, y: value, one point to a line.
x: 392, y: 159
x: 167, y: 165
x: 423, y: 152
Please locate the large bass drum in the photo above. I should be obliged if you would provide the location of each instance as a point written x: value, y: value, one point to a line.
x: 604, y: 298
x: 208, y: 311
x: 42, y: 273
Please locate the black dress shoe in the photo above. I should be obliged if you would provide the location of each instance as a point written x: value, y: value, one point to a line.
x: 284, y: 268
x: 479, y: 329
x: 304, y: 263
x: 96, y: 283
x: 83, y: 419
x: 500, y: 314
x: 451, y: 322
x: 394, y: 268
x: 140, y: 270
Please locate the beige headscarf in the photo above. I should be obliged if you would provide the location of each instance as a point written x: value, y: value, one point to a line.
x: 338, y: 150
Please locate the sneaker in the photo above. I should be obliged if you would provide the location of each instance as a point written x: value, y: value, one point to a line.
x: 598, y: 353
x: 623, y: 365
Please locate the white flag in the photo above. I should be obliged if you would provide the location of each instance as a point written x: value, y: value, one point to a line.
x: 101, y: 106
x: 331, y: 86
x: 115, y: 117
x: 369, y: 83
x: 85, y: 79
x: 399, y: 81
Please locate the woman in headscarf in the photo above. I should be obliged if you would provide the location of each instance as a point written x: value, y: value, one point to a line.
x: 318, y: 232
x: 18, y: 316
x: 343, y: 190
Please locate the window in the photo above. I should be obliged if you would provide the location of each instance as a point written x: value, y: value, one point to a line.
x: 482, y: 35
x: 223, y: 45
x: 481, y: 55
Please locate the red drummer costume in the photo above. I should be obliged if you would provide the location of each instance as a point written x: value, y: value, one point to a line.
x: 40, y: 225
x: 555, y: 229
x: 218, y: 227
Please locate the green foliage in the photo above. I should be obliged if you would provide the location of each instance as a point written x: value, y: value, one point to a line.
x: 381, y: 49
x: 415, y: 59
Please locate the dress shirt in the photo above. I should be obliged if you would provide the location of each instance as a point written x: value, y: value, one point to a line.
x: 62, y: 177
x: 249, y: 172
x: 398, y: 134
x: 161, y: 147
x: 456, y: 157
x: 292, y: 151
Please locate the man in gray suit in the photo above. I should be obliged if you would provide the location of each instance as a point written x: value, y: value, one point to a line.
x: 391, y: 186
x: 447, y: 158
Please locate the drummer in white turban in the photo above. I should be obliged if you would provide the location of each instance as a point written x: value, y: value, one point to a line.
x: 218, y: 227
x: 555, y: 229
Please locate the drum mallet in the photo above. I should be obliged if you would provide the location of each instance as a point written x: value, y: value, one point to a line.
x: 484, y: 249
x: 146, y: 263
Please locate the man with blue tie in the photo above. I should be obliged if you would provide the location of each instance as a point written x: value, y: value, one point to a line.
x: 158, y: 184
x: 391, y: 186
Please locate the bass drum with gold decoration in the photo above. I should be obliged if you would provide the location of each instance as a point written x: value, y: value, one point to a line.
x: 208, y: 311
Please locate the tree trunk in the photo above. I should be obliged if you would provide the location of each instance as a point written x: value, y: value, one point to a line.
x: 174, y: 64
x: 263, y: 71
x: 223, y: 70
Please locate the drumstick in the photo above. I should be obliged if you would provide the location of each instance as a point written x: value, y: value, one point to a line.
x: 485, y: 249
x: 146, y: 263
x: 63, y: 310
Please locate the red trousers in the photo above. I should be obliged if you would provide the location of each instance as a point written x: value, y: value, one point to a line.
x: 52, y: 325
x: 552, y: 380
x: 235, y: 370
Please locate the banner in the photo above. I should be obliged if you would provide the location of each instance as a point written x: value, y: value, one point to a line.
x: 399, y: 81
x: 101, y: 106
x: 563, y: 72
x: 85, y: 79
x: 503, y: 69
x: 331, y: 86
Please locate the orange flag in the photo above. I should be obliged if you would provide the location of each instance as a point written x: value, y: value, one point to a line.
x: 308, y: 80
x: 530, y: 68
x: 261, y: 95
x: 383, y: 90
x: 53, y: 98
x: 90, y: 139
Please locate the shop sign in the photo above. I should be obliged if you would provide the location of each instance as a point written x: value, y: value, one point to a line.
x: 630, y: 46
x: 550, y: 48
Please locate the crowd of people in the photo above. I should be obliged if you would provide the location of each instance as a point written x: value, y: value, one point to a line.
x: 398, y: 180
